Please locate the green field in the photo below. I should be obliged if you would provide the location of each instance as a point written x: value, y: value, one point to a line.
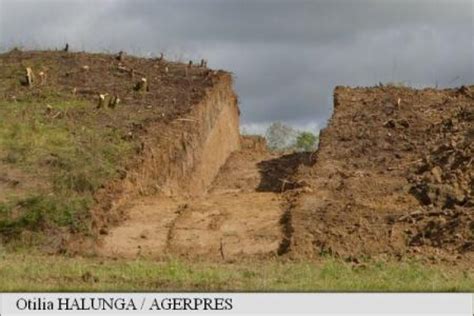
x: 30, y: 272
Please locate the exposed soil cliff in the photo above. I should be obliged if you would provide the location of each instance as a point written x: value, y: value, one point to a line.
x: 237, y: 218
x: 393, y: 176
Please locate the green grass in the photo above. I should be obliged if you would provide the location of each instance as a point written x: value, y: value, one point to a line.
x: 26, y: 272
x: 39, y: 212
x: 67, y: 149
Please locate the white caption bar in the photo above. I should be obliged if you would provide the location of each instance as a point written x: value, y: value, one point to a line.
x: 234, y: 303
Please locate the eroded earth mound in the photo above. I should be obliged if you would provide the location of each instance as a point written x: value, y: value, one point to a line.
x: 393, y: 177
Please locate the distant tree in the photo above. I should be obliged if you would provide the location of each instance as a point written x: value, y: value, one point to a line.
x: 280, y: 136
x: 306, y: 141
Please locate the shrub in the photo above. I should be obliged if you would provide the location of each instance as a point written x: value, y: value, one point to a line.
x: 306, y: 141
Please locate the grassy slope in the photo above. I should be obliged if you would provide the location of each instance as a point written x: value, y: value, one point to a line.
x: 20, y: 272
x: 66, y: 151
x: 56, y: 148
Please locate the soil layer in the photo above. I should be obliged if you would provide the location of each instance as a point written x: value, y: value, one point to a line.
x: 241, y: 216
x: 393, y: 177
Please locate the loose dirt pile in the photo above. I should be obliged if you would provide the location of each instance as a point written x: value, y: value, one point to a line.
x: 444, y: 185
x: 393, y: 176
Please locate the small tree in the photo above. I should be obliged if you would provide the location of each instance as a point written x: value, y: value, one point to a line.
x: 306, y: 141
x: 280, y: 136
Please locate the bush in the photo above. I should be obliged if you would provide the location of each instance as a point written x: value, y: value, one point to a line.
x: 306, y: 141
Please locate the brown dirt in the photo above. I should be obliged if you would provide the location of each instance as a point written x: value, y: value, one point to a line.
x: 171, y: 93
x: 393, y: 177
x: 180, y: 159
x: 242, y: 215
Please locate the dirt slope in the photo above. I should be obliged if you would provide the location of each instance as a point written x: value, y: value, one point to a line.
x: 59, y: 143
x: 393, y: 176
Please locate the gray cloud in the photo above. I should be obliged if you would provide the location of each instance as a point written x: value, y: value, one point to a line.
x: 287, y: 55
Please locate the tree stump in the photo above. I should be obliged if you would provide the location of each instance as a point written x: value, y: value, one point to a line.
x: 114, y: 101
x: 28, y: 79
x: 142, y: 85
x: 101, y: 101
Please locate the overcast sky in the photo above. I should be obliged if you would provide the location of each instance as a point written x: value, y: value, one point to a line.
x: 287, y: 55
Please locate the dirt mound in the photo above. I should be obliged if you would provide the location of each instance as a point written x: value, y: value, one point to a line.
x: 393, y: 176
x: 444, y: 185
x: 105, y: 129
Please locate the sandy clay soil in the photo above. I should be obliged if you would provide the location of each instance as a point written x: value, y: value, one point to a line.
x: 241, y: 215
x: 394, y: 176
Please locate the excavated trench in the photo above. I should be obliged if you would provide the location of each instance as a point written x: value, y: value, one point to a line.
x: 219, y: 194
x: 392, y: 177
x: 242, y: 214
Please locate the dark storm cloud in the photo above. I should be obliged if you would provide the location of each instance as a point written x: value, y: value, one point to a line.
x: 287, y: 55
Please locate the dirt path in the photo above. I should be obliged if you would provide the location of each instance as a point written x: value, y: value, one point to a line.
x: 241, y: 216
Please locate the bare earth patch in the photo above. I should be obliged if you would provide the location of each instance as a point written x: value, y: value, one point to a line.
x: 235, y: 219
